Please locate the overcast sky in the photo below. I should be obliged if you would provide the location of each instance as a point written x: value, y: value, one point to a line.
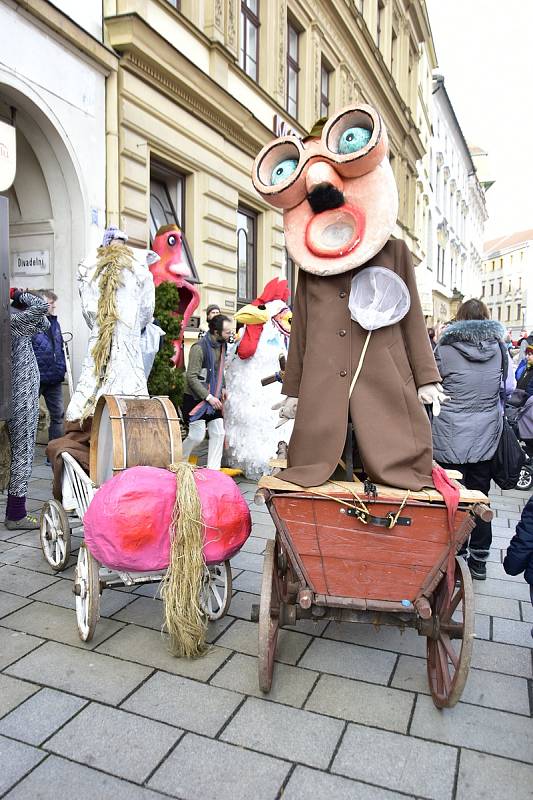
x: 485, y: 52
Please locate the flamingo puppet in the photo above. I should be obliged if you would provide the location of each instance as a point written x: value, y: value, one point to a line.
x: 173, y: 266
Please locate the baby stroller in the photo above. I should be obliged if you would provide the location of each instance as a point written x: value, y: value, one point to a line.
x: 525, y: 481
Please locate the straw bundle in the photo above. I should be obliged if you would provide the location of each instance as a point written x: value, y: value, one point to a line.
x: 185, y: 622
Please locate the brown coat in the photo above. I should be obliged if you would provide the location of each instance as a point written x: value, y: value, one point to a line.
x: 392, y: 428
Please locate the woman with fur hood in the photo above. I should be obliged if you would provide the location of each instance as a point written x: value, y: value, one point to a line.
x: 467, y: 432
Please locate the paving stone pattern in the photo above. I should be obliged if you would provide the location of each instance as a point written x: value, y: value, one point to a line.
x: 349, y: 715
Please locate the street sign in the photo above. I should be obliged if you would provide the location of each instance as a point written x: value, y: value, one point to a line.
x: 31, y: 262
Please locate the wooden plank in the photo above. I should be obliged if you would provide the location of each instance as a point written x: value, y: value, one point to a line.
x: 345, y: 489
x: 372, y: 581
x: 281, y: 463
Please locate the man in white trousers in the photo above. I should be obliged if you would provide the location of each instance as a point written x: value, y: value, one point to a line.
x: 205, y: 391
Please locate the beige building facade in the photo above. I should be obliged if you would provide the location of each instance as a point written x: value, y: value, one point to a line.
x: 202, y: 86
x: 508, y: 280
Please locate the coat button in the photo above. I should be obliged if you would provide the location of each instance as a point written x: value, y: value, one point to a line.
x: 342, y: 294
x: 342, y: 373
x: 342, y: 333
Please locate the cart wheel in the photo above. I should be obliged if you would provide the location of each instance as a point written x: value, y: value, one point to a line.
x: 87, y: 591
x: 215, y: 595
x: 55, y: 535
x: 268, y: 618
x: 453, y: 619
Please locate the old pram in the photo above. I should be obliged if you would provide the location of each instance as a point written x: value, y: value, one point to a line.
x: 386, y: 558
x: 119, y: 429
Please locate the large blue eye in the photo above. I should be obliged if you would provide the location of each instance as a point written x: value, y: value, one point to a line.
x: 354, y: 139
x: 283, y: 170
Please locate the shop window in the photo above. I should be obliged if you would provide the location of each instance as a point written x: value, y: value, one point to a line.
x: 325, y: 72
x: 246, y: 255
x: 167, y: 207
x: 293, y: 68
x: 249, y: 56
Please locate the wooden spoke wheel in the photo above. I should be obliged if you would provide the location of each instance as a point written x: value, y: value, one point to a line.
x: 87, y: 591
x: 55, y: 535
x: 215, y: 595
x: 269, y: 613
x: 449, y: 647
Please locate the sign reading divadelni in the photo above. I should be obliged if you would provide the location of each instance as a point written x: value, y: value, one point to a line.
x: 31, y: 262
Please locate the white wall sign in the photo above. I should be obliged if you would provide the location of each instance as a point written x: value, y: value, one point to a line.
x: 31, y: 262
x: 8, y: 155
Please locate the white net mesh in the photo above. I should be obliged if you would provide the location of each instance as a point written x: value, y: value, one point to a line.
x: 378, y: 297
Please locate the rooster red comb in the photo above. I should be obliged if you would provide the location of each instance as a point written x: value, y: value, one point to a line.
x: 276, y: 289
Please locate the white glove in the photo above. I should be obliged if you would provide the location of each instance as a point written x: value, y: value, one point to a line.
x: 287, y: 409
x: 431, y: 394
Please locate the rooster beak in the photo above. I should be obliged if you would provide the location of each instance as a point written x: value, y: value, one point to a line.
x: 251, y: 315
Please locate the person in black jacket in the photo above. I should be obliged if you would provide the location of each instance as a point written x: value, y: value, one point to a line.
x: 48, y: 348
x: 519, y: 556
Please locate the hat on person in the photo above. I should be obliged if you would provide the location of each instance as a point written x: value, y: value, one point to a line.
x: 529, y: 348
x: 212, y: 308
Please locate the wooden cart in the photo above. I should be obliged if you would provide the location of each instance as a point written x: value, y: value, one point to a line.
x: 386, y: 558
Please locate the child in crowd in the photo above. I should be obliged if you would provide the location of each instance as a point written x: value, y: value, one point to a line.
x: 519, y: 556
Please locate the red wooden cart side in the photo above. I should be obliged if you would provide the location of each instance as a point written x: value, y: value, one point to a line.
x: 380, y: 559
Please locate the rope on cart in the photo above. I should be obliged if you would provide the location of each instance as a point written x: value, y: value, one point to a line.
x: 394, y: 519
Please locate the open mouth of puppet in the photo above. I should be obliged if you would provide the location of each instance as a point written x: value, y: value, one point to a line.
x: 335, y: 232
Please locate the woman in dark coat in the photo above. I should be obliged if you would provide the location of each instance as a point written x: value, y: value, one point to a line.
x: 468, y: 429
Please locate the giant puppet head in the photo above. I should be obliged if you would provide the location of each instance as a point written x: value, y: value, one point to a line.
x: 336, y: 189
x: 173, y: 266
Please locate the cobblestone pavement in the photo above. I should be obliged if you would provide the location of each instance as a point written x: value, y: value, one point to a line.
x: 349, y: 714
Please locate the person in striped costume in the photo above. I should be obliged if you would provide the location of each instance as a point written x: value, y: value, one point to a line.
x: 28, y: 317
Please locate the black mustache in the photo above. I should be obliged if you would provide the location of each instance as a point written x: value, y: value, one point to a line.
x: 325, y: 196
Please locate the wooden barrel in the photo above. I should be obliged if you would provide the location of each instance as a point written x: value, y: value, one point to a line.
x: 132, y: 432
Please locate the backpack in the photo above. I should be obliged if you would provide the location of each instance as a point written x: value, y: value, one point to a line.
x: 509, y: 458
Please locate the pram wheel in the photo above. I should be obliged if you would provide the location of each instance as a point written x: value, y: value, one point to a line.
x: 87, y: 591
x: 215, y: 595
x: 525, y: 481
x: 55, y: 535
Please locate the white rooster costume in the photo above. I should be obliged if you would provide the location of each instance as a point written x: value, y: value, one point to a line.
x: 250, y: 423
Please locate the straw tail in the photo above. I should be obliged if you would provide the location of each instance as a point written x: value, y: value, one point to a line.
x: 185, y: 622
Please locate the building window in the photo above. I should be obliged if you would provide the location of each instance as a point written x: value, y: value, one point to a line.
x: 492, y: 290
x: 394, y: 54
x: 293, y: 68
x: 500, y: 287
x: 167, y: 207
x: 499, y: 313
x: 246, y: 255
x: 175, y: 3
x: 507, y: 313
x: 290, y: 273
x: 440, y: 264
x: 249, y: 57
x: 501, y: 263
x: 483, y: 291
x: 167, y: 198
x: 510, y: 286
x: 325, y: 72
x: 518, y: 311
x: 361, y: 6
x: 429, y: 259
x: 519, y: 284
x: 381, y: 22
